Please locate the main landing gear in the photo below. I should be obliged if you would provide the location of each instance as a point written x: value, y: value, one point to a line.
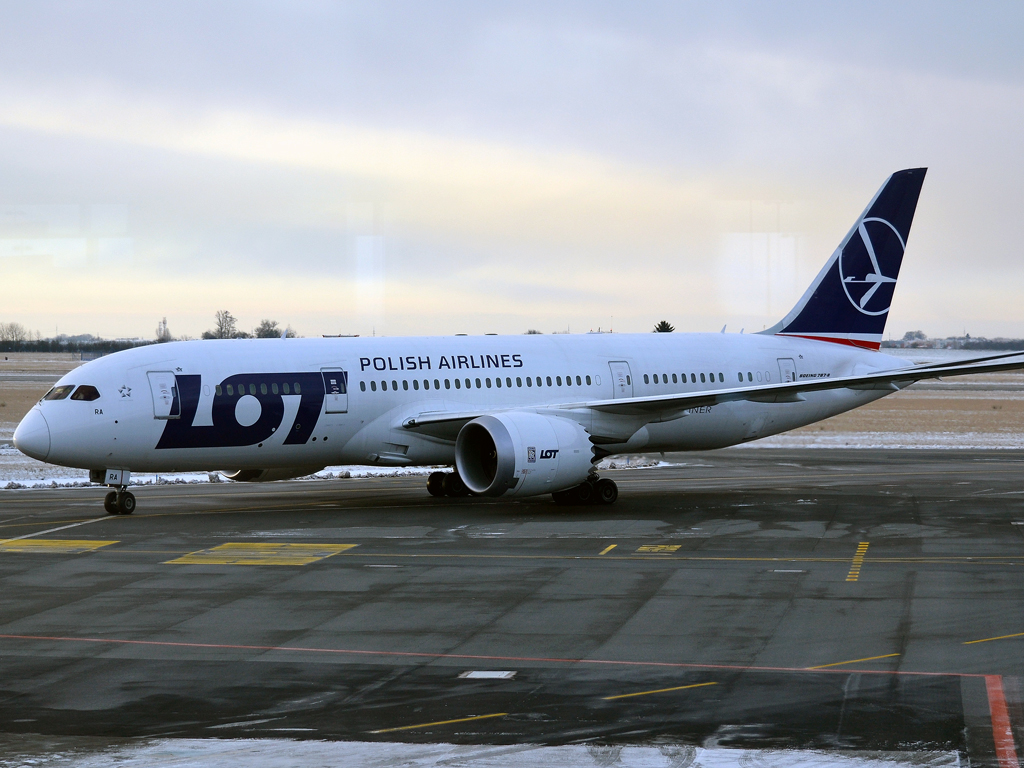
x: 593, y: 490
x: 446, y: 484
x: 119, y: 502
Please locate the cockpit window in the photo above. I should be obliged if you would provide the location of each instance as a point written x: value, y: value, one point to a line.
x: 86, y: 392
x: 59, y: 393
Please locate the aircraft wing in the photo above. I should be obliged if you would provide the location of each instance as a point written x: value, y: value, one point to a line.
x: 446, y: 424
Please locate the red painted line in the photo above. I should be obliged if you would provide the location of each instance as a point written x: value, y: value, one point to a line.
x: 873, y: 345
x: 1006, y: 752
x: 479, y: 657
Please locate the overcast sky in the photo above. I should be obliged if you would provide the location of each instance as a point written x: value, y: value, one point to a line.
x: 472, y: 167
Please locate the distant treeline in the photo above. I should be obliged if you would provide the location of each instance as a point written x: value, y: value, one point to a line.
x: 959, y: 343
x: 98, y: 346
x: 993, y: 344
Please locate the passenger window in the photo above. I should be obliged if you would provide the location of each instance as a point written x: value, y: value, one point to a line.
x: 477, y: 384
x: 558, y: 380
x: 362, y: 386
x: 273, y: 387
x: 767, y: 376
x: 383, y: 386
x: 447, y: 384
x: 218, y: 390
x: 702, y: 378
x: 252, y: 389
x: 588, y: 381
x: 750, y: 376
x: 693, y: 378
x: 426, y: 383
x: 497, y: 382
x: 373, y: 386
x: 437, y: 384
x: 579, y: 381
x: 645, y: 379
x: 231, y: 391
x: 86, y: 392
x: 405, y: 384
x: 286, y: 389
x: 721, y: 377
x: 416, y: 384
x: 519, y: 382
x: 263, y: 389
x: 468, y: 385
x: 741, y: 378
x: 394, y: 385
x: 508, y: 382
x: 458, y: 383
x: 298, y: 388
x: 488, y: 383
x: 628, y: 381
x: 758, y: 375
x: 529, y: 381
x: 674, y: 379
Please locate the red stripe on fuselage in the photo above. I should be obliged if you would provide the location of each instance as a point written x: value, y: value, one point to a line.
x: 872, y: 345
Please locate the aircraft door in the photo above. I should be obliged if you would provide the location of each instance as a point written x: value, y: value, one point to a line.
x: 166, y: 401
x: 335, y: 389
x: 787, y: 369
x: 622, y: 382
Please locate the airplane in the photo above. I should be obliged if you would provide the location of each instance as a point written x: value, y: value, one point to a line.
x: 513, y: 416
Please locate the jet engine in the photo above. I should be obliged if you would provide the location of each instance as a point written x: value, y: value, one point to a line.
x: 268, y: 475
x: 522, y: 454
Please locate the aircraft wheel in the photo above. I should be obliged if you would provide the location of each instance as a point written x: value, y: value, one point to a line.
x: 110, y: 503
x: 607, y: 491
x: 435, y: 484
x: 453, y: 485
x: 584, y: 493
x: 126, y: 503
x: 563, y: 498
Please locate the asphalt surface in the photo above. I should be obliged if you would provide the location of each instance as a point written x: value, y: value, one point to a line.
x: 751, y: 598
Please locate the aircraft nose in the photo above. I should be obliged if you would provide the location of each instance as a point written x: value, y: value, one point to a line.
x: 32, y: 437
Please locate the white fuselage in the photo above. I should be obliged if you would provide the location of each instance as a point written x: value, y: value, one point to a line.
x: 390, y: 380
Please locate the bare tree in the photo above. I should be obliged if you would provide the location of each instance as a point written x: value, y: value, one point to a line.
x: 162, y: 334
x: 664, y: 327
x: 14, y: 332
x: 267, y: 329
x: 225, y: 326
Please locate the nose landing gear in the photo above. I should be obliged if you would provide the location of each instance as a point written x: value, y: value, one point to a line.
x: 119, y: 502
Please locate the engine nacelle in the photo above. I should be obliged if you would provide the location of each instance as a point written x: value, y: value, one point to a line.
x: 522, y: 454
x: 268, y: 475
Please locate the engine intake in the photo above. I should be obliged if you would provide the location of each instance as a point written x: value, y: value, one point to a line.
x: 522, y: 454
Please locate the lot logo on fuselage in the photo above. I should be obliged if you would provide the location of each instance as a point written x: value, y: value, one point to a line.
x: 248, y: 408
x: 869, y: 265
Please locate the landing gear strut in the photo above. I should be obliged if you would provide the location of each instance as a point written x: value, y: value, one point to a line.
x: 593, y: 490
x: 119, y: 502
x: 446, y: 484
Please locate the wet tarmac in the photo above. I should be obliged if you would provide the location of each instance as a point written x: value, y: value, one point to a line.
x: 839, y: 600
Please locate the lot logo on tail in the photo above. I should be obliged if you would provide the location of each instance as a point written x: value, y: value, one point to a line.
x: 867, y: 263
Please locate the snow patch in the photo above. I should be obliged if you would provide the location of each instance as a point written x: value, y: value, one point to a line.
x: 282, y: 753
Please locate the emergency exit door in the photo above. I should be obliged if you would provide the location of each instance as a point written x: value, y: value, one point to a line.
x: 787, y: 369
x: 622, y: 382
x: 335, y: 390
x: 166, y: 402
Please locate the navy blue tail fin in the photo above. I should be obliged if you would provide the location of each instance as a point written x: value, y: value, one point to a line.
x: 848, y: 302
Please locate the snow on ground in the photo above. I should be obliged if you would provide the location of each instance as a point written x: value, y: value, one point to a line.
x: 272, y: 753
x: 918, y: 440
